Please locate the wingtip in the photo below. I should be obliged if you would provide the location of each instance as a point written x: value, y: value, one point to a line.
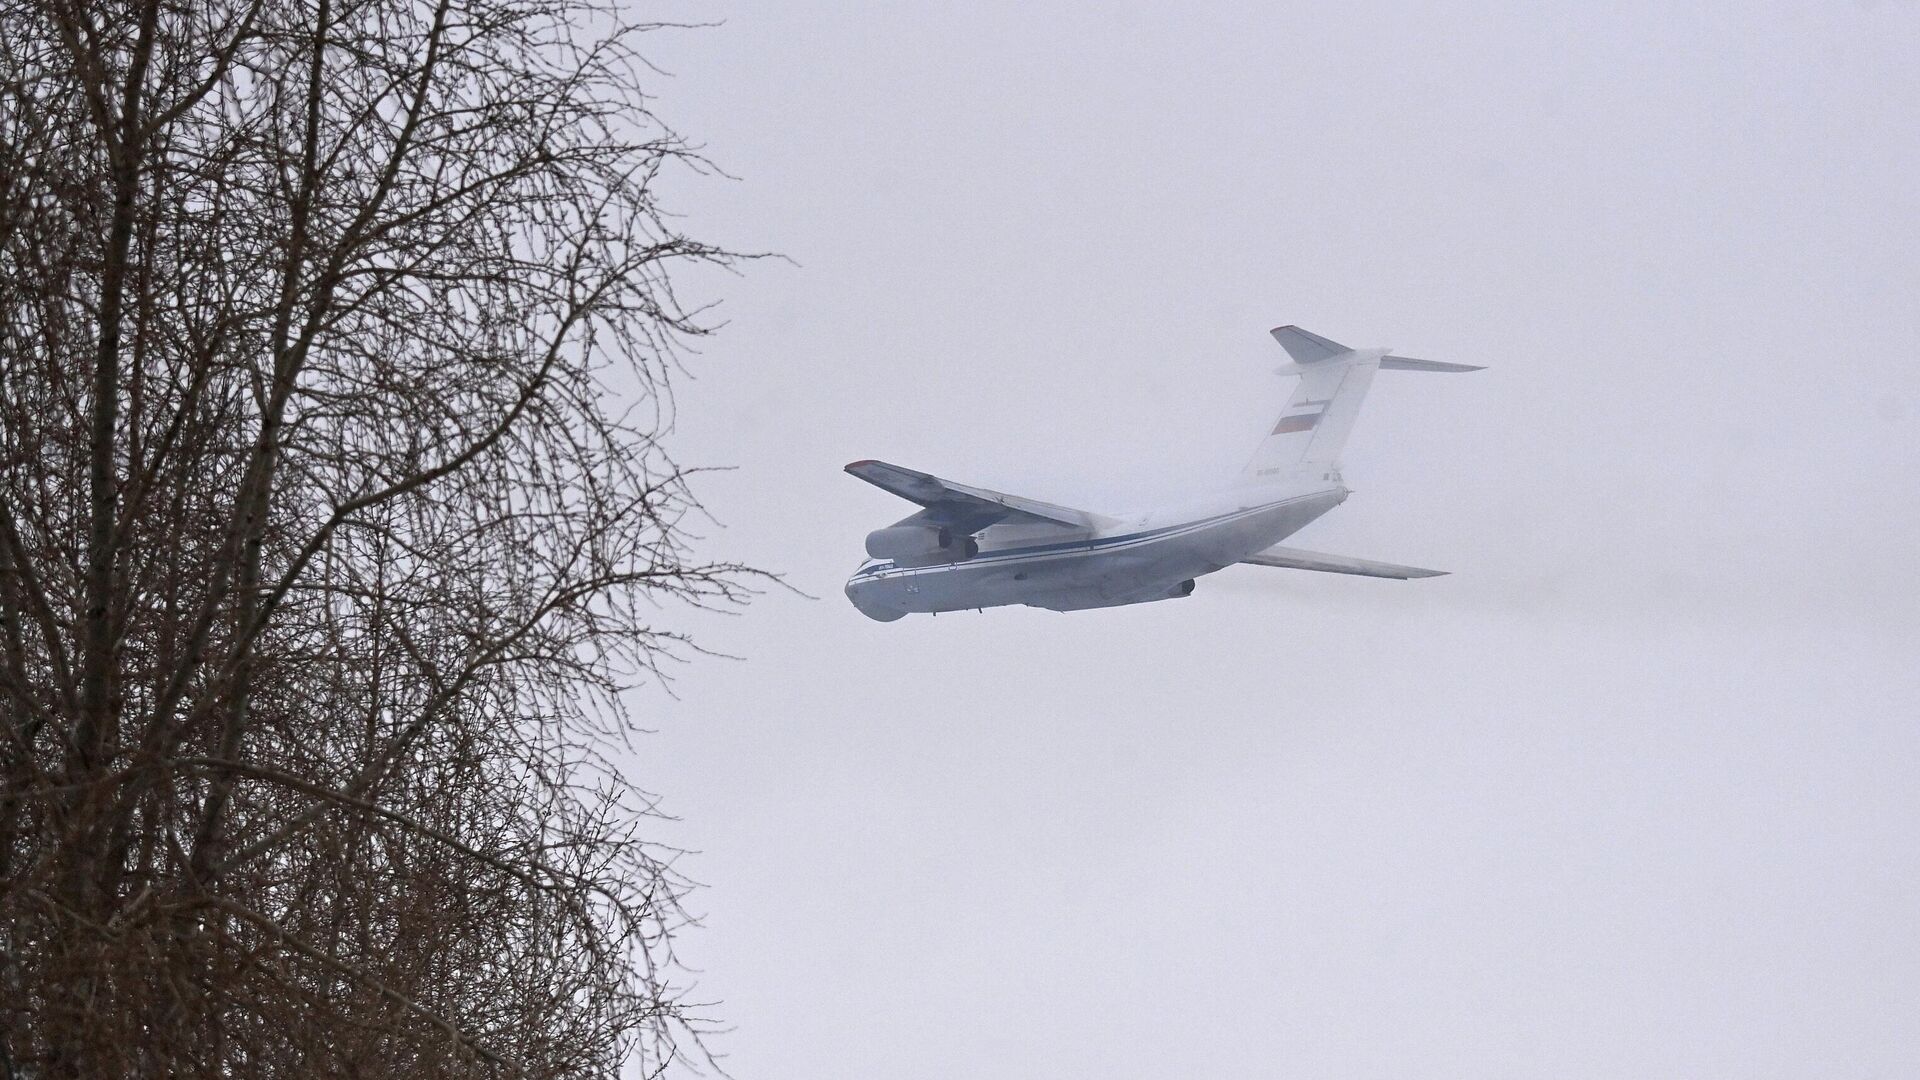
x: 863, y: 462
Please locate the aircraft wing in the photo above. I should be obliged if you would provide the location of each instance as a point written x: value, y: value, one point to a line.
x: 971, y: 507
x: 1296, y: 559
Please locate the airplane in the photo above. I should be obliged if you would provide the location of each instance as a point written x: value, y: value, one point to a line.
x: 971, y: 548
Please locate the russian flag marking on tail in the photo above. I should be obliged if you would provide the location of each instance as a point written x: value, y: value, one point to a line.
x: 1301, y: 415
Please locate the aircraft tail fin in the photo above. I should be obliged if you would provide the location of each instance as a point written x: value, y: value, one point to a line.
x: 1313, y: 428
x: 1314, y: 425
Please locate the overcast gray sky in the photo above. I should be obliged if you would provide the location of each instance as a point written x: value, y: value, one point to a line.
x: 1632, y: 793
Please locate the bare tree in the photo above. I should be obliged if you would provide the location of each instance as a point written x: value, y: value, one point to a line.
x: 323, y: 546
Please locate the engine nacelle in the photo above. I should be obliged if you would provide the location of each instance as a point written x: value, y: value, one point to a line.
x: 917, y: 543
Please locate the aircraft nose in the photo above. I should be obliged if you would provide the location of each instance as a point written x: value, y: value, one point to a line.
x: 862, y: 593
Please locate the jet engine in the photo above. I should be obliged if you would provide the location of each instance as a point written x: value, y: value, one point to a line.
x: 916, y: 543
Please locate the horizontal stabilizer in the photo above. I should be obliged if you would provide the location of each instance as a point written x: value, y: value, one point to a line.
x: 1306, y: 347
x: 1296, y: 559
x: 1408, y: 363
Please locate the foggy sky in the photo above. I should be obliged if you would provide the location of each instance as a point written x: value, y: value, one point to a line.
x: 1632, y: 793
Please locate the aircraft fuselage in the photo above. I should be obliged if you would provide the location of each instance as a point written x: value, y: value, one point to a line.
x: 1128, y: 561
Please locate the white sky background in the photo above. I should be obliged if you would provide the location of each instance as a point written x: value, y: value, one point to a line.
x: 1633, y: 793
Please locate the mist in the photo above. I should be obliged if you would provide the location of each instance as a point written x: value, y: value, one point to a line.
x: 1632, y: 792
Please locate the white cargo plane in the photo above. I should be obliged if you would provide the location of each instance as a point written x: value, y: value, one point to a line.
x: 972, y: 548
